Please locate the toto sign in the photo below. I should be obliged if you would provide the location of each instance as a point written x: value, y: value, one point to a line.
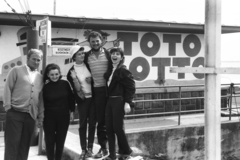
x: 150, y: 54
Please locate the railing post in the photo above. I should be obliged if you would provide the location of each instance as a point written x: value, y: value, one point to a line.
x: 230, y: 101
x: 180, y: 105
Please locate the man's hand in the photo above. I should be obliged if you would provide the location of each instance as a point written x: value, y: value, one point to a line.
x: 127, y: 108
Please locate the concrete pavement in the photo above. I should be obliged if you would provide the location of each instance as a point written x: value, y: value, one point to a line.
x: 72, y: 144
x: 33, y: 153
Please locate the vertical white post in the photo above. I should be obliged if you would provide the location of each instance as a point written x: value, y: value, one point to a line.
x: 212, y: 81
x: 54, y: 7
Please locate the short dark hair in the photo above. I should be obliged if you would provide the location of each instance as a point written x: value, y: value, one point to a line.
x: 120, y: 50
x: 94, y: 34
x: 110, y: 68
x: 48, y: 68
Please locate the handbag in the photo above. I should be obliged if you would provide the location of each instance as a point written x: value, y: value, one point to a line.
x: 80, y: 93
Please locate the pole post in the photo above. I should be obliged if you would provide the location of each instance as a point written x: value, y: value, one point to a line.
x: 32, y: 39
x: 54, y: 8
x: 44, y: 64
x: 212, y: 91
x: 212, y: 71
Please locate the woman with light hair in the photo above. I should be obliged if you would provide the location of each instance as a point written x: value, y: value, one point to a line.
x: 80, y: 79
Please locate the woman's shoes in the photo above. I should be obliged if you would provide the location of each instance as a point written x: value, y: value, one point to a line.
x: 89, y: 153
x: 82, y: 155
x: 86, y: 154
x: 101, y: 153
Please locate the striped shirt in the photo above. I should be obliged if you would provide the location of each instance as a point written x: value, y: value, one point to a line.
x: 98, y: 67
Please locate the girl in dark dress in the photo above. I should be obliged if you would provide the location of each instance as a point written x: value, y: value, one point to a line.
x: 59, y: 106
x: 121, y: 90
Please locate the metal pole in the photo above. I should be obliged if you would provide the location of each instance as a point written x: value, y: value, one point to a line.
x: 54, y: 7
x: 44, y: 63
x: 32, y: 39
x: 212, y: 81
x: 230, y: 101
x: 180, y: 105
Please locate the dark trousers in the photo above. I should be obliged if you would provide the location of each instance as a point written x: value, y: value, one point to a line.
x: 115, y: 126
x: 87, y: 115
x: 55, y: 129
x: 17, y: 136
x: 100, y: 105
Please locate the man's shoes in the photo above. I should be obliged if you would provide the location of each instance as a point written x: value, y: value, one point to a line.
x: 82, y: 155
x: 89, y: 153
x: 101, y: 153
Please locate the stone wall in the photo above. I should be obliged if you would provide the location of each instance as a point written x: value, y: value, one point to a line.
x: 186, y: 143
x: 157, y: 106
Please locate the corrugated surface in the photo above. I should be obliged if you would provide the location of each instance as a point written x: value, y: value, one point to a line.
x: 60, y: 21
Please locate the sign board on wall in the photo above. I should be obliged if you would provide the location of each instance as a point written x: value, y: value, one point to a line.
x: 61, y: 50
x: 148, y: 55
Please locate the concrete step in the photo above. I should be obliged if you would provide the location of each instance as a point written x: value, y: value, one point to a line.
x: 72, y: 149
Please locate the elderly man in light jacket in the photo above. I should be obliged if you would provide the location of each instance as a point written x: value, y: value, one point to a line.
x: 23, y: 103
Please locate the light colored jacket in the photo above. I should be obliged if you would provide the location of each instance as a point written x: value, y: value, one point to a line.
x: 23, y: 95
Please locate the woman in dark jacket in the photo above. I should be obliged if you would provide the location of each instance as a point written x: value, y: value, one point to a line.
x: 121, y: 90
x: 80, y: 79
x: 59, y: 106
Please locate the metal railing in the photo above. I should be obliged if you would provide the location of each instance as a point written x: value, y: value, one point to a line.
x: 232, y: 93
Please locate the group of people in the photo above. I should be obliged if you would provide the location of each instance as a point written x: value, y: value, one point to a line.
x: 98, y: 82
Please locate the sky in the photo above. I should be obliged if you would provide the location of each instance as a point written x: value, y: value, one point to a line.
x: 191, y: 11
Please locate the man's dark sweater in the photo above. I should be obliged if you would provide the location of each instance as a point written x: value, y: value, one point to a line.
x: 58, y: 97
